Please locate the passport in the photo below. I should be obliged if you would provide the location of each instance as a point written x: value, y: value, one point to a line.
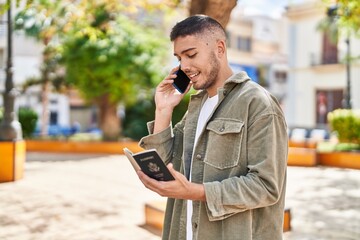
x: 150, y: 162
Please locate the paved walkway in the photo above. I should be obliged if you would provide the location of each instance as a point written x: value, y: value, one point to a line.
x: 97, y: 197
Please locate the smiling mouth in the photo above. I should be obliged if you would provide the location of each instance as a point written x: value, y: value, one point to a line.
x: 194, y: 75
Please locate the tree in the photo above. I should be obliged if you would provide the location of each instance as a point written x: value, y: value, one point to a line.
x: 347, y: 13
x: 43, y: 20
x: 218, y: 9
x: 110, y: 58
x: 61, y: 21
x: 342, y: 18
x: 5, y: 6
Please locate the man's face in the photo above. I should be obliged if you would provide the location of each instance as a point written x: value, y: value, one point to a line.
x: 198, y: 60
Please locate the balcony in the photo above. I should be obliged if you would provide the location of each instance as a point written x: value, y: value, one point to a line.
x: 320, y: 63
x: 329, y: 58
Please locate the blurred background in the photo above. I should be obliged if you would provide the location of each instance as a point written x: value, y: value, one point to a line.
x: 86, y: 70
x: 78, y: 80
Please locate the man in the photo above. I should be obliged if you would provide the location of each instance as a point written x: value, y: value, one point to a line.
x: 228, y: 154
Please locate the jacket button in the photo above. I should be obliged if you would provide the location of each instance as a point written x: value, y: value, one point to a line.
x: 222, y: 129
x: 198, y: 157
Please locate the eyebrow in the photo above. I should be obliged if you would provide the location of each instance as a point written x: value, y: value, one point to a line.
x: 186, y: 50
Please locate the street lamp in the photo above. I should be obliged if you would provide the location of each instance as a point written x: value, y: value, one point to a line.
x: 10, y: 128
x: 347, y: 102
x: 333, y: 13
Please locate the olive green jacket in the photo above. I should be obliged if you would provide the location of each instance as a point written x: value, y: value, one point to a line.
x: 240, y: 157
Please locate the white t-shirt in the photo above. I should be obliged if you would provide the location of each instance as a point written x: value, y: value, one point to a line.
x: 205, y: 112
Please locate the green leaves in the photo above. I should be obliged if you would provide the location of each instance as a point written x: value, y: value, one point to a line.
x: 5, y: 6
x: 109, y: 50
x: 349, y: 12
x: 345, y: 15
x: 28, y: 118
x: 41, y: 19
x: 346, y: 123
x: 102, y: 49
x: 117, y: 60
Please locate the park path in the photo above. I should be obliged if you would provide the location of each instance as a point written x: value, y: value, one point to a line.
x: 99, y: 197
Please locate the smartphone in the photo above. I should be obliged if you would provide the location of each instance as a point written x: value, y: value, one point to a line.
x: 181, y: 81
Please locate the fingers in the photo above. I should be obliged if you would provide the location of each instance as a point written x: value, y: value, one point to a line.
x: 170, y: 166
x: 148, y: 182
x: 166, y: 84
x: 175, y: 69
x: 172, y: 74
x: 169, y: 78
x: 179, y: 188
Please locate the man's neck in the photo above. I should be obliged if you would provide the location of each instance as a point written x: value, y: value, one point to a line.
x: 223, y: 76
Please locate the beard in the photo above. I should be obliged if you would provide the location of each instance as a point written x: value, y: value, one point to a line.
x: 212, y: 75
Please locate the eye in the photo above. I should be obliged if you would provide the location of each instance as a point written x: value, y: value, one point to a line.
x: 192, y: 55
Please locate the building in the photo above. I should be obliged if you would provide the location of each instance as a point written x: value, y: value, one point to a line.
x: 317, y: 78
x: 258, y: 45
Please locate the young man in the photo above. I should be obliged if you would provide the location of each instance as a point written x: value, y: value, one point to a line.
x: 228, y: 154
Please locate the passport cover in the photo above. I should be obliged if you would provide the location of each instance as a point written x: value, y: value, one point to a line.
x: 150, y: 162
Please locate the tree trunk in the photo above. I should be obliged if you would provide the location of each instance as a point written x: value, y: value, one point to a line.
x: 45, y: 108
x: 109, y: 120
x: 45, y: 93
x: 218, y: 9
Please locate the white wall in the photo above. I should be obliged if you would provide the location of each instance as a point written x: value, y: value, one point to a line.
x: 305, y: 41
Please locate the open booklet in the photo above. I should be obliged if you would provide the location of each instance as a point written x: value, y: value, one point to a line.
x: 150, y: 162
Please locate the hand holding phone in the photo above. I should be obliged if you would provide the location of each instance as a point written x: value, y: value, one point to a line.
x: 181, y: 81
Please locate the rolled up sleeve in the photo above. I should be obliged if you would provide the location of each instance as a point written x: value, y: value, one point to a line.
x: 161, y: 141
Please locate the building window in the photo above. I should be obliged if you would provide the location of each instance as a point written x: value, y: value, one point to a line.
x: 228, y: 39
x: 244, y: 44
x: 327, y: 101
x: 329, y: 51
x: 53, y: 118
x: 280, y: 76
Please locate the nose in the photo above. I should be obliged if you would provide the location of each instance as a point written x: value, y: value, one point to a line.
x: 184, y: 66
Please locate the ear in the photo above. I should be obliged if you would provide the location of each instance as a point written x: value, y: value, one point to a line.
x: 221, y: 48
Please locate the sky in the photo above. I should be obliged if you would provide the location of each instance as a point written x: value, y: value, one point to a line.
x: 272, y: 8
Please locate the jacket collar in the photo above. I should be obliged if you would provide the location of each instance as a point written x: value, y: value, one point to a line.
x: 233, y: 80
x: 239, y: 77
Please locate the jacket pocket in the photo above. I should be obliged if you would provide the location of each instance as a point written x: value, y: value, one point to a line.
x: 224, y: 143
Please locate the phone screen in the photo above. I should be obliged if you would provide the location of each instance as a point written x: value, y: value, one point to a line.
x: 181, y: 81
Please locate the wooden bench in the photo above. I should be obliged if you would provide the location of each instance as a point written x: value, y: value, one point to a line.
x: 154, y: 216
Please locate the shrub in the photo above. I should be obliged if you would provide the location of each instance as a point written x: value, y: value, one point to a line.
x: 346, y: 123
x: 137, y: 115
x: 28, y: 119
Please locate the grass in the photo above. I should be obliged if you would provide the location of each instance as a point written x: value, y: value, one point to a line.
x: 326, y: 146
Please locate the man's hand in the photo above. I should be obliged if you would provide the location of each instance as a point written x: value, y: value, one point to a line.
x: 166, y: 95
x: 179, y: 188
x: 166, y: 99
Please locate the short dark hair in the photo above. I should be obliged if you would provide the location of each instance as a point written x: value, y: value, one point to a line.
x: 194, y: 25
